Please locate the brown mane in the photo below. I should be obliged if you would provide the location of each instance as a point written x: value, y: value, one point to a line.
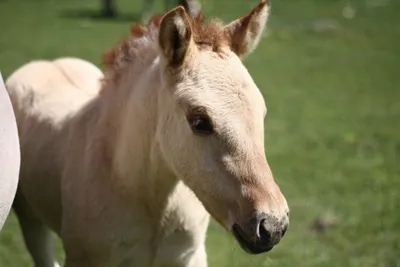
x: 142, y: 40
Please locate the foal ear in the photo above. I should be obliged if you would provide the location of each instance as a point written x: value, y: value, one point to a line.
x: 175, y: 36
x: 245, y: 33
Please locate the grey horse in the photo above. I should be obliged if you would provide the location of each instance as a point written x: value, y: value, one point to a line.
x: 9, y: 154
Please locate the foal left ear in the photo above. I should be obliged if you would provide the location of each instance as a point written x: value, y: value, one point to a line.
x: 175, y: 36
x: 245, y: 33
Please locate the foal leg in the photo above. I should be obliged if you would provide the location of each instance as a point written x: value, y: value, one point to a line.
x: 200, y: 258
x: 37, y: 236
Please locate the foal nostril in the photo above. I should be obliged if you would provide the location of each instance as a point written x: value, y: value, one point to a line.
x: 260, y: 234
x: 284, y: 231
x: 264, y: 234
x: 270, y: 231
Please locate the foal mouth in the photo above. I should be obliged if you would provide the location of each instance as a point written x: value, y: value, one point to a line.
x: 251, y: 247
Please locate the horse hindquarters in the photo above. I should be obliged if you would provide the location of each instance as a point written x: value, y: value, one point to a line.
x: 9, y: 154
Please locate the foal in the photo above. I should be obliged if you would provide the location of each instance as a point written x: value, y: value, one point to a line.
x: 129, y: 176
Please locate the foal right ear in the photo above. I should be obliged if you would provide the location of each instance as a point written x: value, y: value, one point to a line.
x: 245, y: 32
x: 175, y: 36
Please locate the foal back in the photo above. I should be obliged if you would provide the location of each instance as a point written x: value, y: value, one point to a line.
x: 44, y: 94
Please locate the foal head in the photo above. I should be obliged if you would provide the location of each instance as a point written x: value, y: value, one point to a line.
x: 211, y: 124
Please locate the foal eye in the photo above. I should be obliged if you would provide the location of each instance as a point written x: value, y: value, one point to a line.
x: 200, y: 124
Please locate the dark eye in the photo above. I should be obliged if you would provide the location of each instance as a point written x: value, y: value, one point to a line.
x: 200, y: 124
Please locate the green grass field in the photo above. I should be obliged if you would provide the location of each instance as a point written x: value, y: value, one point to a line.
x: 332, y: 88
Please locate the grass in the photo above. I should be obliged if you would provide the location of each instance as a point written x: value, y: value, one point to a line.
x: 333, y: 126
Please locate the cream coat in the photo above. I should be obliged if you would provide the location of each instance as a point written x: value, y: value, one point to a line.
x: 122, y: 176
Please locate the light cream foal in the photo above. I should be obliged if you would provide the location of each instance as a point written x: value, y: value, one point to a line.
x: 129, y: 176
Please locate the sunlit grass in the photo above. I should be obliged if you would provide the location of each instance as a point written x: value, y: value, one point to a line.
x: 333, y: 126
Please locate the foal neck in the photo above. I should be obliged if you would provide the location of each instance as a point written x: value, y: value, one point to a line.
x: 137, y: 162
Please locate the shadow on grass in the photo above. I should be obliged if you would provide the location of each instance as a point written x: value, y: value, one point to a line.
x: 98, y: 15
